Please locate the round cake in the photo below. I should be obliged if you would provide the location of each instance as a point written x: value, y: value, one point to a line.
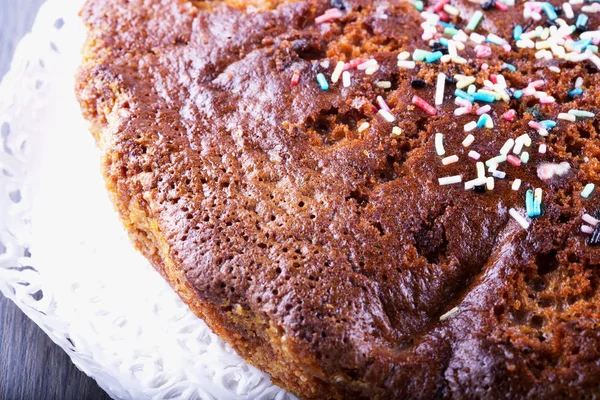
x: 366, y: 199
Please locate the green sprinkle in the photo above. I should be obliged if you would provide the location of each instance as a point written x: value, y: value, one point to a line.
x: 322, y: 82
x: 419, y: 5
x: 524, y: 157
x: 582, y: 114
x: 420, y: 55
x: 587, y: 190
x: 475, y: 20
x: 450, y: 31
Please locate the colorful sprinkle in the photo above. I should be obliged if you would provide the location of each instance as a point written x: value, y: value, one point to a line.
x: 419, y: 102
x: 587, y: 190
x: 337, y: 72
x: 295, y: 78
x: 475, y: 20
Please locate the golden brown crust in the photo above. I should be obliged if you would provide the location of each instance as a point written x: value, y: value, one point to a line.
x: 326, y: 256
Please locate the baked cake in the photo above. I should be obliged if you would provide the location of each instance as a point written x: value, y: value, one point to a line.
x: 366, y: 199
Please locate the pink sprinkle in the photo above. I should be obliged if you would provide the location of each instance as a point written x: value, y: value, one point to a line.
x: 354, y: 63
x: 440, y: 5
x: 484, y: 66
x: 537, y: 84
x: 509, y: 115
x: 483, y: 110
x: 382, y: 104
x: 535, y: 125
x: 547, y: 100
x: 529, y: 91
x: 330, y: 15
x: 483, y: 51
x: 507, y: 47
x: 295, y: 78
x: 587, y: 229
x: 513, y: 160
x: 500, y: 6
x: 419, y: 102
x: 474, y: 155
x: 444, y: 16
x: 462, y: 102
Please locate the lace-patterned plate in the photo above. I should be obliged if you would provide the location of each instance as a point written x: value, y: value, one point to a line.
x: 66, y: 261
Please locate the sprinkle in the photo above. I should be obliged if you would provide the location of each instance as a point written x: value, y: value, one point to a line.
x: 452, y: 49
x: 483, y: 96
x: 529, y: 207
x: 322, y: 82
x: 537, y: 202
x: 516, y: 185
x: 578, y: 82
x: 419, y: 102
x: 420, y: 54
x: 513, y: 160
x: 518, y: 145
x: 508, y: 145
x: 483, y: 110
x: 554, y: 68
x: 337, y: 72
x: 590, y: 220
x: 489, y: 183
x: 538, y: 127
x: 475, y: 182
x: 407, y: 64
x: 468, y: 140
x: 403, y: 56
x: 495, y: 160
x: 449, y: 180
x: 542, y: 149
x: 582, y: 21
x: 582, y: 114
x: 517, y: 32
x: 509, y: 67
x: 480, y: 170
x: 363, y: 126
x: 475, y: 20
x: 295, y: 78
x: 396, y: 131
x: 329, y: 15
x: 372, y: 70
x: 439, y: 144
x: 549, y: 10
x: 587, y: 190
x: 567, y: 117
x: 346, y: 79
x: 525, y: 157
x: 509, y: 115
x: 518, y: 94
x: 419, y: 5
x: 474, y: 155
x: 568, y: 10
x: 587, y: 229
x: 448, y: 314
x: 499, y: 174
x: 470, y: 126
x: 386, y: 115
x: 546, y: 171
x: 370, y: 63
x: 520, y: 220
x: 383, y: 84
x: 463, y: 95
x: 439, y: 89
x: 382, y: 104
x: 450, y: 160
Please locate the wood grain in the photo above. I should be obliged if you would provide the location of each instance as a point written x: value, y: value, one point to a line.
x: 31, y: 365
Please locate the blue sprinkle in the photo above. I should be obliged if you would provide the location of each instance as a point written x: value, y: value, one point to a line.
x: 444, y: 41
x: 592, y: 47
x: 482, y: 120
x: 582, y: 21
x: 517, y: 32
x: 322, y: 82
x: 518, y: 94
x: 582, y: 44
x: 485, y: 97
x: 549, y: 10
x: 420, y: 55
x: 509, y: 66
x: 548, y: 124
x: 576, y: 92
x: 432, y: 57
x: 446, y: 24
x: 463, y: 95
x: 529, y: 203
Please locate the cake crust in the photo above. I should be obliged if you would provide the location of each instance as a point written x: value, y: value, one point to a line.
x: 329, y: 255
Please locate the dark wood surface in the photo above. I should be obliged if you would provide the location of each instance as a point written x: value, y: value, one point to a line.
x: 32, y: 367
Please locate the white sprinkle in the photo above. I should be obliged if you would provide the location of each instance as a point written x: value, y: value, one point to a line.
x: 525, y: 157
x: 522, y: 221
x: 516, y: 184
x: 449, y: 313
x: 587, y: 229
x: 386, y: 115
x: 407, y: 64
x: 396, y: 131
x: 493, y: 168
x: 496, y: 160
x: 578, y: 82
x: 475, y: 182
x: 470, y: 126
x: 372, y: 70
x: 452, y: 49
x: 469, y: 139
x: 367, y: 64
x: 507, y: 146
x: 518, y: 145
x: 403, y: 56
x: 450, y: 160
x: 587, y: 190
x: 474, y: 155
x: 590, y: 220
x: 567, y: 117
x: 489, y: 183
x: 483, y: 110
x: 480, y: 169
x: 554, y: 68
x: 542, y: 149
x: 568, y: 10
x: 382, y: 104
x: 346, y: 78
x: 439, y: 89
x: 439, y: 144
x: 499, y: 174
x: 449, y: 180
x: 463, y: 83
x: 337, y: 72
x: 459, y: 60
x: 363, y: 126
x: 325, y: 63
x: 383, y: 84
x: 525, y: 138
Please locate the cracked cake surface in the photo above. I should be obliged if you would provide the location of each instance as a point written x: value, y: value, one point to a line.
x: 316, y: 233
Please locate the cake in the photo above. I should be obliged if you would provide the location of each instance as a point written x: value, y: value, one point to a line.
x: 365, y: 199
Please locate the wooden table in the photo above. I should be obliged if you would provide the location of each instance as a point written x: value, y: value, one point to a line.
x: 31, y: 365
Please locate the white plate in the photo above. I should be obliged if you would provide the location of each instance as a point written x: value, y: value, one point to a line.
x: 66, y: 261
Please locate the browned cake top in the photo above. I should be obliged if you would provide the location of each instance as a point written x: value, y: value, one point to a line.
x: 278, y: 199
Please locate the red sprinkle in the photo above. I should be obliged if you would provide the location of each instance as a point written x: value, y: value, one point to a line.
x: 295, y: 78
x: 443, y: 16
x: 439, y: 6
x: 493, y: 78
x: 419, y: 102
x: 509, y: 115
x: 514, y: 160
x: 500, y: 6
